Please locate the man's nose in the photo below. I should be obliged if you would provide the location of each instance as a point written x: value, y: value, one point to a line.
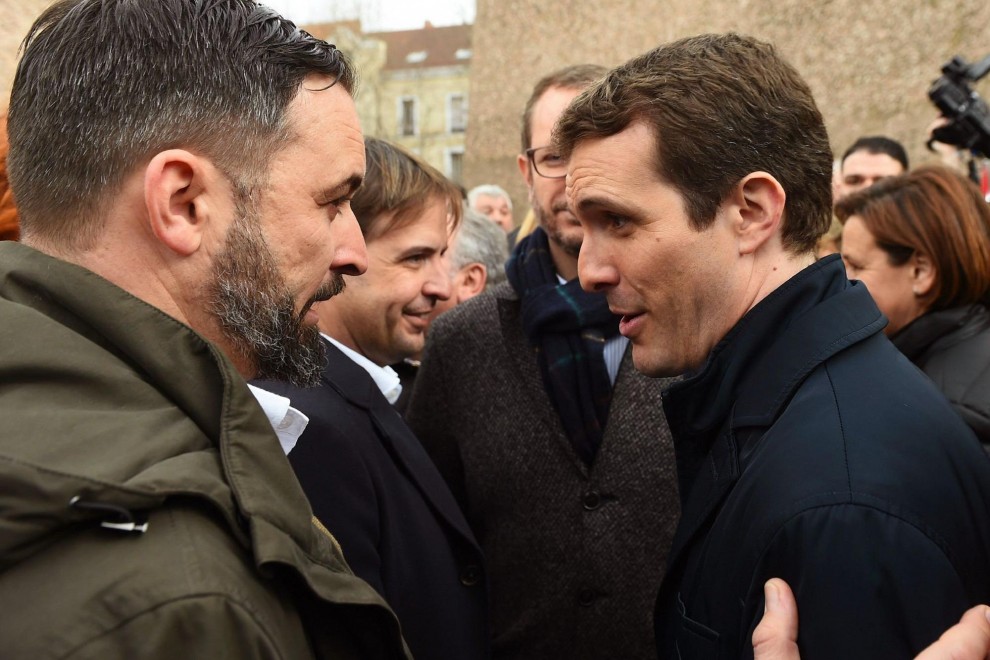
x: 438, y: 284
x: 350, y: 252
x: 595, y: 270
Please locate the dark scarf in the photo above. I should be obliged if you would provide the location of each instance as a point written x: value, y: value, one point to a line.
x: 568, y: 328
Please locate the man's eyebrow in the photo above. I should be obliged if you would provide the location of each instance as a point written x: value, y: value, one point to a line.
x: 344, y: 188
x: 594, y: 202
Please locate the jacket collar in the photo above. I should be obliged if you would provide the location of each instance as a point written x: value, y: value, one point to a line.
x: 758, y: 364
x: 753, y: 372
x: 925, y: 331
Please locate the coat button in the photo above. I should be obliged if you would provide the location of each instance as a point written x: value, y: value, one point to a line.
x: 471, y: 575
x: 591, y: 500
x: 586, y: 597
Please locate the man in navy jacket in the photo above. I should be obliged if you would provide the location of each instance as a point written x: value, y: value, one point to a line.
x: 808, y: 448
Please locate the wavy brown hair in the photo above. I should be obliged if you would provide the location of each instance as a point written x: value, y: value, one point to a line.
x: 397, y: 188
x: 933, y: 211
x: 719, y: 106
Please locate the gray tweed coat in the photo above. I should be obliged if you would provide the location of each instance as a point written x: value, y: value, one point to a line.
x: 575, y: 555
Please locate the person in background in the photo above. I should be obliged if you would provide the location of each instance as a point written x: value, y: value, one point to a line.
x: 476, y: 256
x: 182, y: 171
x: 920, y: 243
x: 554, y: 445
x: 365, y: 474
x: 477, y: 260
x: 492, y: 201
x: 9, y: 226
x: 867, y: 161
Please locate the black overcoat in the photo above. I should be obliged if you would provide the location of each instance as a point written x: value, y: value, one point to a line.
x: 810, y: 449
x: 371, y: 483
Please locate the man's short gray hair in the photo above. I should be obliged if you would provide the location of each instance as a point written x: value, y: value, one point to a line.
x: 479, y: 240
x: 491, y: 190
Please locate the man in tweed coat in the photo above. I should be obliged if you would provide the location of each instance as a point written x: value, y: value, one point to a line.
x: 573, y: 501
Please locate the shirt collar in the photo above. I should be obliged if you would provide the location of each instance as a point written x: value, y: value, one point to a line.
x: 385, y: 377
x: 287, y: 422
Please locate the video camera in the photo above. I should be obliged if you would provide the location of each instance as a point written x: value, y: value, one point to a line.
x: 968, y: 114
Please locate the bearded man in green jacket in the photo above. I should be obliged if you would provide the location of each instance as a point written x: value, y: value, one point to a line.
x: 183, y: 171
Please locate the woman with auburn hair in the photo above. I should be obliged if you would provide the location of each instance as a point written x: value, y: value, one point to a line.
x: 9, y: 227
x: 921, y: 244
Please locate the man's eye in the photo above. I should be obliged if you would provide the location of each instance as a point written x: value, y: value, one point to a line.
x: 854, y: 180
x: 335, y: 204
x: 551, y: 159
x: 616, y: 221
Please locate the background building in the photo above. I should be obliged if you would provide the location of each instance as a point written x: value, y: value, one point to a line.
x: 413, y: 87
x: 869, y: 65
x: 16, y: 16
x: 454, y: 94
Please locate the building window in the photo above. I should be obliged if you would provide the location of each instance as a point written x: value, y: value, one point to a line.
x: 407, y: 116
x: 455, y: 164
x: 456, y: 113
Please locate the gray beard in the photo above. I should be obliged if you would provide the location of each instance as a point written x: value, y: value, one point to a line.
x: 256, y: 311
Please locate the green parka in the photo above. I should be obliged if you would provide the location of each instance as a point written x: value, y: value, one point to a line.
x: 114, y: 414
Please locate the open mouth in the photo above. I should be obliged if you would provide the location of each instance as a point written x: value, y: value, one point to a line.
x: 629, y: 324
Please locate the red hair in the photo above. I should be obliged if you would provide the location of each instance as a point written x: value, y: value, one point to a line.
x: 9, y: 226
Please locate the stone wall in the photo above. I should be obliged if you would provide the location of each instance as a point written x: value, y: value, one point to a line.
x: 869, y: 64
x: 16, y: 16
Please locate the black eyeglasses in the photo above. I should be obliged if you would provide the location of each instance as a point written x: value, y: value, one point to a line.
x: 547, y: 163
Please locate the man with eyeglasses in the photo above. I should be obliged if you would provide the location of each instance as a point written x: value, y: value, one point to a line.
x: 555, y: 446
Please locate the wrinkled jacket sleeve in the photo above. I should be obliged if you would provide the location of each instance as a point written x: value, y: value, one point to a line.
x: 203, y: 627
x: 868, y: 584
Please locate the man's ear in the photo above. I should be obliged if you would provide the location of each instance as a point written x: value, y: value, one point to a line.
x: 756, y: 208
x: 923, y: 273
x: 175, y: 183
x: 470, y: 281
x: 523, y: 162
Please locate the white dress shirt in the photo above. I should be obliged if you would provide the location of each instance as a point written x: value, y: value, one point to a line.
x: 287, y: 422
x: 385, y: 377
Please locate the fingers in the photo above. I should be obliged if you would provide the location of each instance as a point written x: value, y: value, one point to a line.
x: 775, y: 638
x: 967, y: 640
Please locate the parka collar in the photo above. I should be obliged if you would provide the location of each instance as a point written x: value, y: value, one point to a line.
x: 252, y: 484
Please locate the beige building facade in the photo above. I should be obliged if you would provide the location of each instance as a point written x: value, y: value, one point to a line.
x: 413, y: 87
x: 16, y: 17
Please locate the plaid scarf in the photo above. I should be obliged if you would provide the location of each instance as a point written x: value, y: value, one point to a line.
x: 568, y: 327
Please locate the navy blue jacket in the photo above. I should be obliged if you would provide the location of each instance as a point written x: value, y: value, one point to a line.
x: 371, y: 483
x: 810, y: 449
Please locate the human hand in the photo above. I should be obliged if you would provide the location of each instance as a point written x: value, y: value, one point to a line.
x: 775, y: 638
x: 967, y: 640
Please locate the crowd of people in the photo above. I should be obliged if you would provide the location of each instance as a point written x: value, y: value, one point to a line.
x: 273, y: 388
